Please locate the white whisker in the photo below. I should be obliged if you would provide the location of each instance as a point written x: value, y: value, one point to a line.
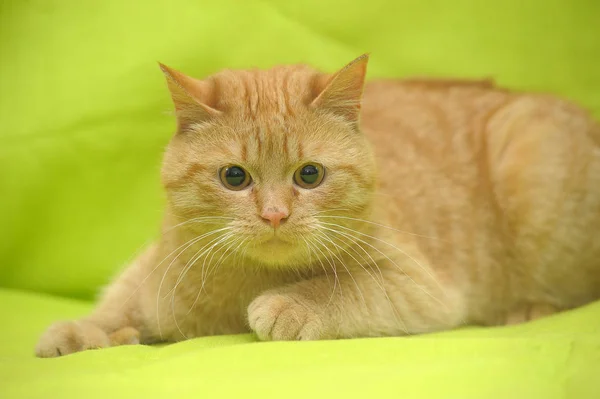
x: 389, y: 259
x: 396, y: 265
x: 157, y: 266
x: 348, y: 271
x: 379, y: 225
x: 218, y: 264
x: 333, y: 210
x: 331, y: 261
x: 192, y: 261
x: 191, y: 242
x: 380, y: 285
x: 335, y: 281
x: 182, y: 276
x: 220, y: 261
x: 204, y: 219
x: 354, y: 243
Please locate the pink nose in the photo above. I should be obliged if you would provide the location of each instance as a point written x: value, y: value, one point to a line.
x: 275, y: 217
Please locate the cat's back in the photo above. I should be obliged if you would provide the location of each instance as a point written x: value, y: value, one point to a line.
x: 472, y: 130
x: 510, y: 181
x: 433, y: 110
x: 395, y: 110
x: 429, y: 137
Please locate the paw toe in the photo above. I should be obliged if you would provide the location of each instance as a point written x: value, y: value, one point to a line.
x: 64, y: 338
x: 125, y: 336
x: 282, y: 318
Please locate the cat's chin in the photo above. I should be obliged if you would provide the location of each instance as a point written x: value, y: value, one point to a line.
x: 276, y: 252
x: 274, y: 242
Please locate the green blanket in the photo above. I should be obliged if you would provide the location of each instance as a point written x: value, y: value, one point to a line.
x: 84, y: 116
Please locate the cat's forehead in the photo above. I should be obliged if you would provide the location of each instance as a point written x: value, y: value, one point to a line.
x: 267, y: 117
x: 269, y: 142
x: 280, y: 90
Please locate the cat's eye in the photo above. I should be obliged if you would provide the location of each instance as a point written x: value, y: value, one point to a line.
x: 309, y: 175
x: 235, y: 177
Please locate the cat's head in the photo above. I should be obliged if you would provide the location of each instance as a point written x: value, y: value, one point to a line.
x: 262, y: 159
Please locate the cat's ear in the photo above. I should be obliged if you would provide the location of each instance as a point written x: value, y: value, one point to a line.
x: 341, y: 92
x: 192, y: 98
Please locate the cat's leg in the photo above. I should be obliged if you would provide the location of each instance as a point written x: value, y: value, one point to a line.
x: 360, y: 304
x: 117, y: 319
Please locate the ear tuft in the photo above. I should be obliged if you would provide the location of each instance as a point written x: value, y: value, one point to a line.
x: 341, y: 93
x: 190, y: 97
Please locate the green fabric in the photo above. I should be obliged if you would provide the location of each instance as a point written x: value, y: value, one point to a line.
x: 558, y: 357
x: 84, y: 119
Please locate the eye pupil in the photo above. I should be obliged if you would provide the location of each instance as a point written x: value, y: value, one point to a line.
x: 235, y: 176
x: 309, y: 174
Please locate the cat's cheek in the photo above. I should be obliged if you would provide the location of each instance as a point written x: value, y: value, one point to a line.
x: 200, y: 199
x: 283, y: 317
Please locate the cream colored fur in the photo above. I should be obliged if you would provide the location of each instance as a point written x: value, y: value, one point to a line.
x: 447, y: 203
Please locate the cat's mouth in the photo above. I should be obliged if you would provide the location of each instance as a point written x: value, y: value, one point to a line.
x: 275, y: 246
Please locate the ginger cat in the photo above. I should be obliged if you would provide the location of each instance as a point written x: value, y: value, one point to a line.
x: 446, y: 203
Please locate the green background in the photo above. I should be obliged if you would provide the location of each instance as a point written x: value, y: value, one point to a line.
x: 84, y: 118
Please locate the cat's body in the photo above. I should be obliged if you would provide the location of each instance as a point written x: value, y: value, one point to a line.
x: 485, y: 209
x: 510, y: 184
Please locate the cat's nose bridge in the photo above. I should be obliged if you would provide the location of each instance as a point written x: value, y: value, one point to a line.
x: 273, y: 205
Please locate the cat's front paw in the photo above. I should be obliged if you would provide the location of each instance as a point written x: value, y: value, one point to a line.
x: 67, y: 337
x: 281, y: 317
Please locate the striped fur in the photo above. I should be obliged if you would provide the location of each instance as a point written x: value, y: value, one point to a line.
x: 444, y: 202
